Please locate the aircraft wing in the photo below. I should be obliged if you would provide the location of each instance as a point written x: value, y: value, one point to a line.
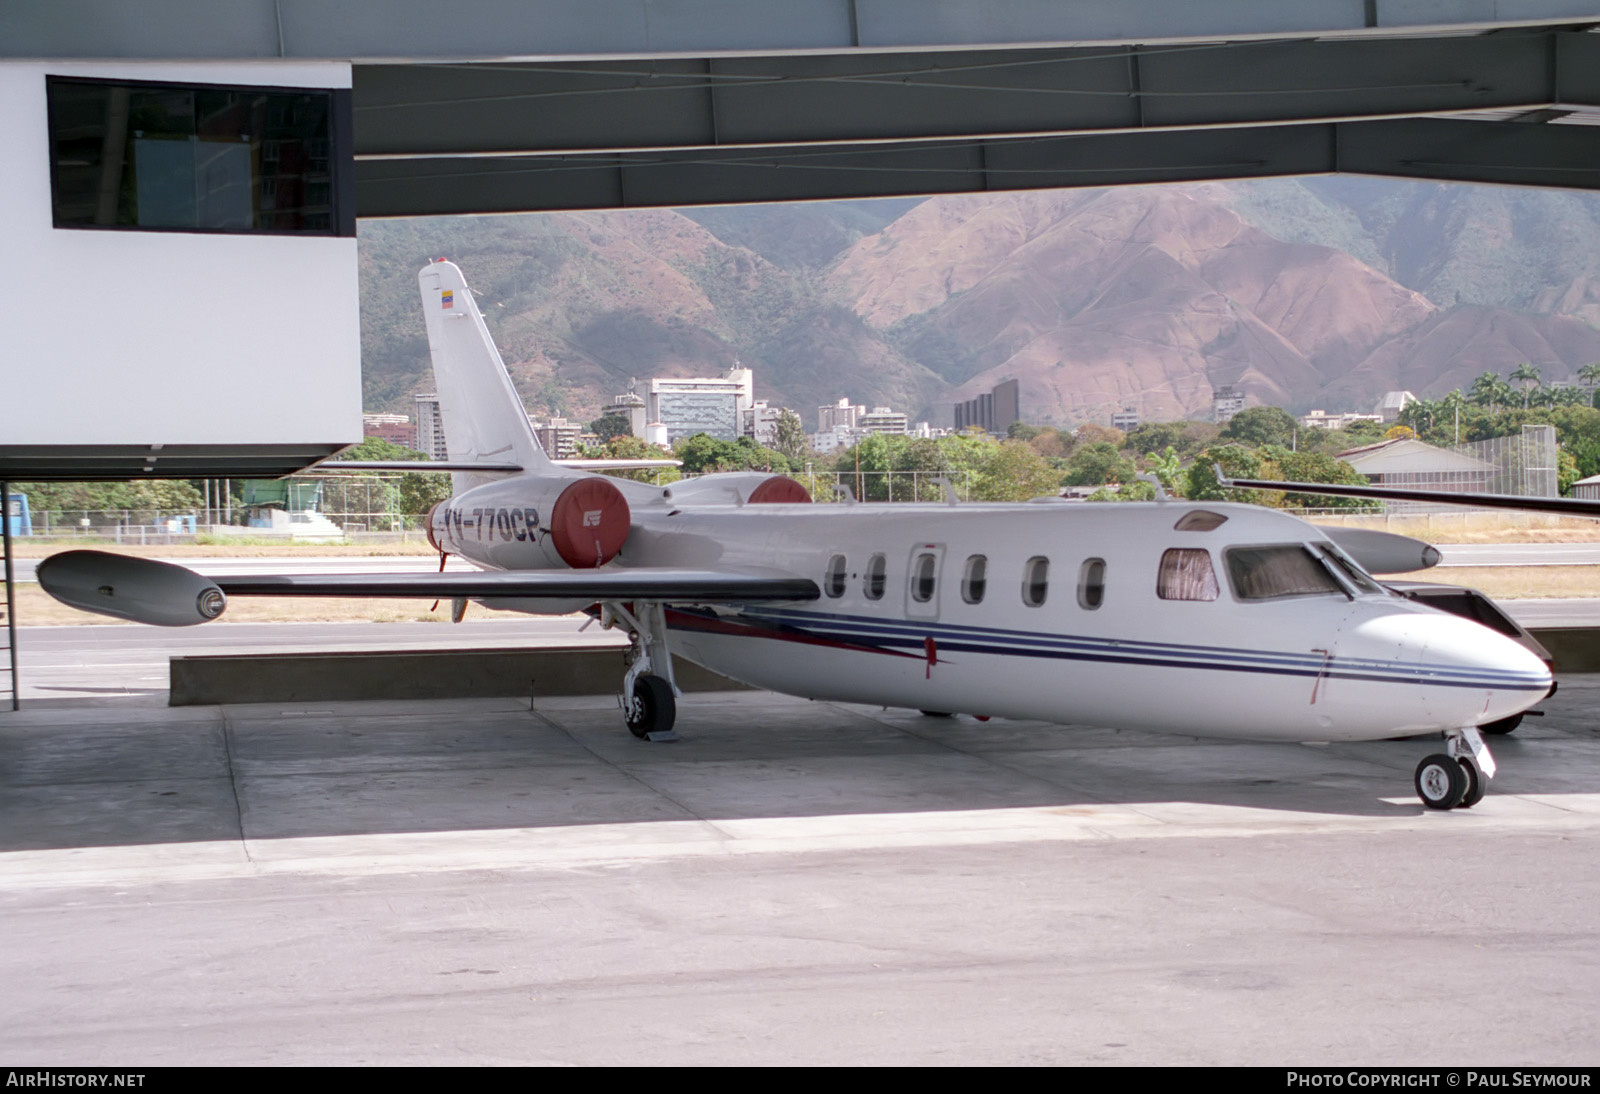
x: 149, y: 591
x: 688, y: 586
x: 1582, y: 507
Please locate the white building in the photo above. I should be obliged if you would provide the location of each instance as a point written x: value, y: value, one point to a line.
x: 883, y: 420
x: 430, y: 428
x: 1321, y: 419
x: 1392, y: 403
x: 843, y: 413
x: 690, y: 405
x: 760, y: 423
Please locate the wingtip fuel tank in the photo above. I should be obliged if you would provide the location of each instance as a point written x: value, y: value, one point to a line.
x: 142, y: 590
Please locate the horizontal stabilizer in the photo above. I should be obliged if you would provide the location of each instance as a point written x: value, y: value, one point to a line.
x: 413, y: 465
x: 1580, y: 507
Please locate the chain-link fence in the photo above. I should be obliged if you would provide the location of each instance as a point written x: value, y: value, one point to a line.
x: 1523, y: 464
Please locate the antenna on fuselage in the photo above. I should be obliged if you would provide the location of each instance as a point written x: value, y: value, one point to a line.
x: 949, y: 489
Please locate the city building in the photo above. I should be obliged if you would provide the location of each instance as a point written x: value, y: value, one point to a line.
x: 685, y: 406
x: 760, y: 423
x: 558, y: 437
x: 992, y: 412
x: 1392, y: 403
x: 1225, y: 403
x: 1321, y: 419
x: 1126, y: 419
x: 429, y: 436
x: 631, y: 407
x: 883, y: 420
x: 843, y: 413
x: 394, y: 428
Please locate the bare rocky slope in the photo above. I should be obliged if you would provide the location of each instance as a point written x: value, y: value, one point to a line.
x: 1322, y: 292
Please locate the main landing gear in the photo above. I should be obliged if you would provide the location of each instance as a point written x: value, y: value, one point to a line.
x: 649, y: 701
x: 1457, y: 777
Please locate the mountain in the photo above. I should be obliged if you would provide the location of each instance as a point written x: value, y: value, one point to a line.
x: 1321, y: 292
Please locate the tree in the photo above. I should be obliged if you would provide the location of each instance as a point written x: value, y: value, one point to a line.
x: 1099, y: 462
x: 1167, y: 469
x: 1485, y: 388
x: 791, y: 440
x: 610, y: 426
x: 1527, y: 375
x: 629, y: 447
x: 1259, y: 425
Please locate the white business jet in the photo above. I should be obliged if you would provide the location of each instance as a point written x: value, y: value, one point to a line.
x: 1204, y: 619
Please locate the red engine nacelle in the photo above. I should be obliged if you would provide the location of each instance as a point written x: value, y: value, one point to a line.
x: 516, y: 524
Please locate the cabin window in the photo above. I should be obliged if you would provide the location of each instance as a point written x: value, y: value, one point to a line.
x: 1035, y: 581
x: 1092, y: 583
x: 833, y: 584
x: 922, y: 578
x: 974, y: 578
x: 872, y: 584
x: 1199, y: 520
x: 1186, y: 574
x: 1271, y: 573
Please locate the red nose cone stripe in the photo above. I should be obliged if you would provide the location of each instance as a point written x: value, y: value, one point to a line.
x: 589, y: 523
x: 779, y: 488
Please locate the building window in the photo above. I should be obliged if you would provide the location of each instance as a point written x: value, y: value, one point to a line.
x: 833, y: 584
x: 872, y: 584
x: 197, y: 158
x: 1035, y: 581
x: 923, y: 577
x: 1186, y: 574
x: 1092, y: 583
x: 974, y: 579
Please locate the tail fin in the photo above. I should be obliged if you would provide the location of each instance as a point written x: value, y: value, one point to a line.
x: 481, y: 413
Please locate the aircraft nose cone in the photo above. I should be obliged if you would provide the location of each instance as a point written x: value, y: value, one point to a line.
x: 1480, y: 676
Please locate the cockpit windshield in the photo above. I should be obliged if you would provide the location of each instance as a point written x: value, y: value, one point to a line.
x: 1350, y: 569
x: 1286, y: 570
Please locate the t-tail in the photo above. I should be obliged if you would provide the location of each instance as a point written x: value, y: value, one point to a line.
x: 482, y: 415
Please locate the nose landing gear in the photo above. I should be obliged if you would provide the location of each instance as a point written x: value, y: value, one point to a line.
x: 1457, y: 777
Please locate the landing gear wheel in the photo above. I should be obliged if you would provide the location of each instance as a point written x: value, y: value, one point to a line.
x: 1476, y: 784
x: 652, y: 709
x: 1440, y: 781
x: 1504, y: 725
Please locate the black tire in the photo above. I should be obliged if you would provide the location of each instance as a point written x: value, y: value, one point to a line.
x: 1504, y: 725
x: 1477, y: 785
x: 654, y: 709
x: 1440, y: 782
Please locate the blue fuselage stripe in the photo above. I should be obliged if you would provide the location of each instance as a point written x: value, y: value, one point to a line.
x: 912, y: 635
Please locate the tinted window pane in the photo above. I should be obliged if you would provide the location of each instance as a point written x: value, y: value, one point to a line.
x: 1266, y: 573
x: 1035, y: 581
x: 191, y: 158
x: 1092, y: 583
x: 922, y: 578
x: 833, y: 584
x: 974, y: 580
x: 1186, y: 574
x: 874, y: 581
